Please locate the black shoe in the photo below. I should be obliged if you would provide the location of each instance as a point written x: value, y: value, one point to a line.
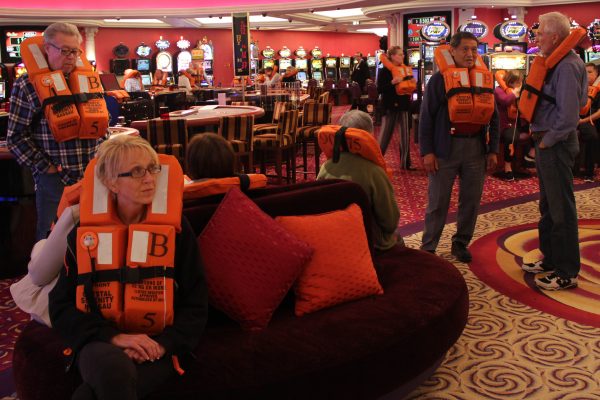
x: 508, y: 176
x: 529, y: 158
x: 528, y: 164
x: 461, y: 252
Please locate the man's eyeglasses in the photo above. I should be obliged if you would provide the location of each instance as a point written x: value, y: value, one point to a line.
x: 140, y: 172
x: 65, y: 51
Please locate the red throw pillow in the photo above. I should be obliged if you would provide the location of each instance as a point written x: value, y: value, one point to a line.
x: 341, y: 268
x: 250, y: 261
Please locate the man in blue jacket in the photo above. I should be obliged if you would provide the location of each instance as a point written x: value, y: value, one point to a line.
x: 451, y: 150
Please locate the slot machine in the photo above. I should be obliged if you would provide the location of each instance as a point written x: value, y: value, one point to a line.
x: 184, y: 57
x: 254, y: 62
x: 121, y: 62
x: 3, y: 83
x: 197, y: 63
x: 143, y: 63
x: 164, y: 59
x: 513, y: 52
x: 268, y: 54
x: 207, y: 64
x: 345, y: 66
x: 593, y: 53
x: 433, y: 34
x: 301, y: 64
x: 372, y: 64
x: 284, y: 59
x: 331, y: 67
x: 316, y: 64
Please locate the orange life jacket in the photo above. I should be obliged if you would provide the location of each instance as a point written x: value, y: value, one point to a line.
x: 512, y: 108
x: 334, y: 138
x: 470, y: 92
x: 190, y: 78
x: 74, y: 109
x: 593, y: 91
x: 129, y: 270
x: 408, y: 84
x: 534, y: 82
x: 132, y: 74
x: 209, y: 187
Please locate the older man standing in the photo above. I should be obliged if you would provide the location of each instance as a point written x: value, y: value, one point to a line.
x: 29, y: 138
x: 554, y: 128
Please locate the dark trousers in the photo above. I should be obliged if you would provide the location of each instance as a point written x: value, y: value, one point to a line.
x: 392, y: 118
x: 109, y: 374
x: 48, y: 191
x: 558, y: 232
x: 587, y: 141
x: 467, y: 161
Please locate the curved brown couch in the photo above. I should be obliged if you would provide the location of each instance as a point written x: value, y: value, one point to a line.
x: 358, y: 350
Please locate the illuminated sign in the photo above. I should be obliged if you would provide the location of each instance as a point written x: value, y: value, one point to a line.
x: 13, y: 42
x: 413, y: 27
x: 512, y: 30
x: 435, y: 31
x: 143, y: 50
x: 285, y: 52
x: 268, y: 52
x: 241, y: 44
x: 478, y: 28
x: 316, y: 52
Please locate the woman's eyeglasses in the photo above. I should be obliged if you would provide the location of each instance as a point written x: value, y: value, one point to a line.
x: 65, y: 51
x: 140, y: 172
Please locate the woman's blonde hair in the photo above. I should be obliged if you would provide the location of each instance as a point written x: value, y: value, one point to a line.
x: 113, y: 151
x: 393, y: 50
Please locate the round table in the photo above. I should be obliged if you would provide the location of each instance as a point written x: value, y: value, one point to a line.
x: 206, y: 115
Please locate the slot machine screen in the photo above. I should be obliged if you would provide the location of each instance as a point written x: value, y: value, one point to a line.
x: 317, y: 75
x: 481, y: 48
x: 415, y: 73
x: 1, y: 91
x: 330, y: 63
x: 285, y: 63
x: 371, y: 62
x: 301, y: 75
x: 146, y: 81
x: 301, y: 63
x: 143, y: 65
x: 11, y: 50
x: 110, y: 82
x: 345, y: 62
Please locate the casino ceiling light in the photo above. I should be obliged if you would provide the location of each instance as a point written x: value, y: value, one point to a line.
x: 349, y: 12
x: 133, y: 21
x: 377, y: 31
x: 227, y: 20
x: 214, y: 21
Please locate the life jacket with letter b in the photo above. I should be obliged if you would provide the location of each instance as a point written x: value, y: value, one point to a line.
x: 128, y: 271
x: 407, y: 85
x: 534, y: 83
x: 74, y: 109
x: 470, y: 92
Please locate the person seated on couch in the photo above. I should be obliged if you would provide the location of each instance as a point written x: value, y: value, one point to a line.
x: 373, y: 180
x: 209, y: 156
x: 125, y: 333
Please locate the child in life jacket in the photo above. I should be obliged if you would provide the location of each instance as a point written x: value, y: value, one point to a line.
x: 589, y: 124
x: 506, y: 94
x: 373, y: 178
x: 211, y: 168
x: 128, y: 226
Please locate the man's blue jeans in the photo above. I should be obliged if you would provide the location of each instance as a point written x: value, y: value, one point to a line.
x: 558, y: 232
x: 48, y: 191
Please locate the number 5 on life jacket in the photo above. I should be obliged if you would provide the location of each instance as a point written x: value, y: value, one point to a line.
x: 534, y: 82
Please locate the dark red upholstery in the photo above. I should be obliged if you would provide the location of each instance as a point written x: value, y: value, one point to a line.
x: 357, y: 350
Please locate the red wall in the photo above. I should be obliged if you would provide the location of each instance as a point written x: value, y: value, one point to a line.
x: 583, y: 13
x: 329, y: 42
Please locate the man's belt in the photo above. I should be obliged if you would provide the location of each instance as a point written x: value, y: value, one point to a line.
x: 538, y: 135
x: 465, y: 135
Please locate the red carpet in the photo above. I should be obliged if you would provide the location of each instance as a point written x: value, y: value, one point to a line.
x: 497, y: 258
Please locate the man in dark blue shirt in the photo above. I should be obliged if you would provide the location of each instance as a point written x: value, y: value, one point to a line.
x: 451, y: 150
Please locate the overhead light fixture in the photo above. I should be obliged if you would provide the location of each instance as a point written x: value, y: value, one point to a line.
x: 473, y: 16
x: 349, y: 12
x: 133, y: 21
x: 213, y: 21
x: 506, y: 18
x: 377, y: 31
x: 355, y: 22
x: 513, y: 16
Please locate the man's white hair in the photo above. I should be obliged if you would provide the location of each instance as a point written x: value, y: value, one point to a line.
x: 556, y: 22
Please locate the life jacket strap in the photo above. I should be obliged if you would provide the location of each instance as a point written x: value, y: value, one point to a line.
x: 244, y: 182
x: 481, y: 90
x: 339, y: 141
x: 540, y: 93
x: 456, y: 90
x: 58, y: 102
x: 85, y: 97
x: 126, y: 275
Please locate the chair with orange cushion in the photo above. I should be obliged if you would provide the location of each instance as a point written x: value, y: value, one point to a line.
x: 315, y: 115
x: 238, y: 130
x: 281, y: 144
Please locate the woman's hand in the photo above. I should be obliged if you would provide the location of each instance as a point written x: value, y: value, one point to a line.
x: 139, y: 347
x: 395, y: 81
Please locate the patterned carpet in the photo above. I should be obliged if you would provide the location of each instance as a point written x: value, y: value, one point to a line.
x: 509, y: 350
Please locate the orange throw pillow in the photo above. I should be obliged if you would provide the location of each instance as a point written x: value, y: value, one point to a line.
x: 341, y: 268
